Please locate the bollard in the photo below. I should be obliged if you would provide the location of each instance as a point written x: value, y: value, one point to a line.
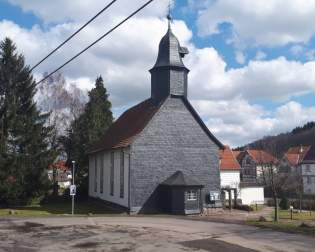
x: 291, y: 212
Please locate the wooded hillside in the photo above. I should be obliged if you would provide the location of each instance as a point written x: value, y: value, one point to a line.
x: 304, y: 135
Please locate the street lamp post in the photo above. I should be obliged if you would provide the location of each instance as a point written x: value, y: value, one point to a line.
x: 72, y: 194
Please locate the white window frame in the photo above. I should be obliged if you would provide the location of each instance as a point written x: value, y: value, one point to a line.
x: 191, y: 195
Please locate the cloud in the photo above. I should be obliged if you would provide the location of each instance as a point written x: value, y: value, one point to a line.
x: 310, y: 54
x: 240, y: 57
x: 270, y: 23
x: 260, y: 55
x: 226, y: 98
x: 81, y: 10
x: 123, y: 59
x: 297, y: 50
x: 236, y: 122
x: 278, y: 79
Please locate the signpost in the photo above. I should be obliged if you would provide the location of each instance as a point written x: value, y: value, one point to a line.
x: 73, y: 188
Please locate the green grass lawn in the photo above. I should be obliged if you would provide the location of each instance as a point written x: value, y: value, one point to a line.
x: 284, y: 227
x: 305, y: 215
x: 258, y: 207
x: 60, y: 208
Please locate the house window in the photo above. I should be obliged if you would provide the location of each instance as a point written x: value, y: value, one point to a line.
x: 95, y: 173
x: 191, y: 195
x: 102, y: 174
x: 112, y: 174
x: 308, y: 168
x: 309, y: 180
x: 122, y: 177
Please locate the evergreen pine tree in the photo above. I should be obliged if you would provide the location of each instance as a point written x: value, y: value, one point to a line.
x: 98, y: 114
x: 87, y: 129
x: 24, y: 151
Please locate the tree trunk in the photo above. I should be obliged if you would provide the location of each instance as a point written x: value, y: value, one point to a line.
x: 276, y: 216
x: 300, y: 201
x: 55, y: 182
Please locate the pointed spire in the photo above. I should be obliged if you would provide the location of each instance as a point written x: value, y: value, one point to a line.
x: 169, y: 74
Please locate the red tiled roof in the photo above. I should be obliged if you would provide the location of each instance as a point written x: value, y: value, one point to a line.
x: 123, y: 131
x: 228, y: 160
x: 295, y: 155
x: 236, y: 153
x: 262, y: 157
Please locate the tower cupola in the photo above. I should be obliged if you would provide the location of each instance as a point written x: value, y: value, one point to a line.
x: 169, y: 74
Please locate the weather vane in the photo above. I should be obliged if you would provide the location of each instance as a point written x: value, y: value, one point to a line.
x: 169, y: 16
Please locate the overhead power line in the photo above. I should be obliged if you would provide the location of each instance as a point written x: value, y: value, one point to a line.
x: 96, y: 41
x: 69, y: 38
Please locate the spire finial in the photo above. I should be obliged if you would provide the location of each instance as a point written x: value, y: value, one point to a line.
x: 169, y: 16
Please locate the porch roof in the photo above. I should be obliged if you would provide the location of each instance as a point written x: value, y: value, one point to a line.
x: 179, y: 179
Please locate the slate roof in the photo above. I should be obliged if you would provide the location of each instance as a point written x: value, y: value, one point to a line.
x: 295, y: 155
x: 123, y: 131
x: 228, y: 160
x: 262, y: 157
x: 310, y: 155
x: 170, y: 51
x: 179, y: 179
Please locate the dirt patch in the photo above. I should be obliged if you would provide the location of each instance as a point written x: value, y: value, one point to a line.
x: 214, y: 245
x: 27, y: 227
x: 86, y: 245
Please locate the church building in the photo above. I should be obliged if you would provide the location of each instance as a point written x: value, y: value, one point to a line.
x: 159, y: 156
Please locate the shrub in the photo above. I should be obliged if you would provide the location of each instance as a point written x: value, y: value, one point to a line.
x: 284, y: 203
x: 307, y: 204
x: 244, y: 208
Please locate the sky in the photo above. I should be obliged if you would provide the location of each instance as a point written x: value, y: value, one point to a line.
x: 252, y: 63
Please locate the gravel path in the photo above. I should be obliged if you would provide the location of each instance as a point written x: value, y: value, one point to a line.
x: 142, y: 234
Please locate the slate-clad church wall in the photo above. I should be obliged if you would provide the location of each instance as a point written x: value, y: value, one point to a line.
x: 172, y: 141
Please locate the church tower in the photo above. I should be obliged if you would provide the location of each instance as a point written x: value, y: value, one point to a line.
x: 163, y: 148
x: 169, y: 74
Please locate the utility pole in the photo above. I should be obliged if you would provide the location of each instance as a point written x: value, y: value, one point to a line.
x: 72, y: 188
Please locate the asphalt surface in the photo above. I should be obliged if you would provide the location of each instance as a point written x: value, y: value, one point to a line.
x: 126, y: 233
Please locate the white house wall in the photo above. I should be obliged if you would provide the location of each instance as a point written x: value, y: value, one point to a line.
x: 105, y: 195
x: 308, y: 178
x: 230, y: 179
x: 252, y: 195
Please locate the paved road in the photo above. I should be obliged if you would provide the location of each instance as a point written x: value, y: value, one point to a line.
x: 119, y: 233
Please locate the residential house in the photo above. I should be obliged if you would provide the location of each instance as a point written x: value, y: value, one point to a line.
x: 292, y: 159
x: 159, y: 155
x: 301, y: 161
x: 308, y: 171
x: 229, y: 173
x: 253, y: 162
x: 249, y: 191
